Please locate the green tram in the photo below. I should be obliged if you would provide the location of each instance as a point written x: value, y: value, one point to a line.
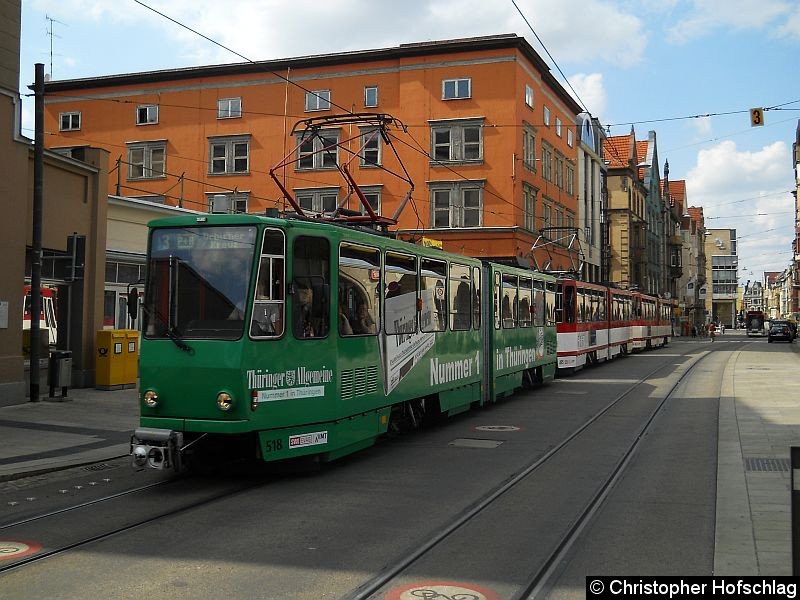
x: 282, y: 338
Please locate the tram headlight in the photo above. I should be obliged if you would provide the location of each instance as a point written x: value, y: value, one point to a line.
x: 224, y: 401
x: 139, y: 456
x: 150, y: 398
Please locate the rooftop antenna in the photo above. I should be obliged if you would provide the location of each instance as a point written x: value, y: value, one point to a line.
x: 52, y: 34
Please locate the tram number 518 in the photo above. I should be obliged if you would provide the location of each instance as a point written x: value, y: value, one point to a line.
x: 273, y: 445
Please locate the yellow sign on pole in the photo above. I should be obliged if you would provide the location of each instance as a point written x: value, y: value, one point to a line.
x: 756, y: 117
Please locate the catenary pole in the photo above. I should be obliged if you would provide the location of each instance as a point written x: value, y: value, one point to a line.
x: 36, y: 244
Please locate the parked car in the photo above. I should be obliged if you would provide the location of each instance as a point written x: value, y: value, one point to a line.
x: 780, y: 330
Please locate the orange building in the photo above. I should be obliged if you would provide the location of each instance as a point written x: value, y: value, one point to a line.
x: 487, y: 137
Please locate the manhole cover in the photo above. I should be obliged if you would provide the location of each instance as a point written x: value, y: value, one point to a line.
x: 766, y: 464
x: 475, y: 443
x: 98, y: 467
x: 496, y: 428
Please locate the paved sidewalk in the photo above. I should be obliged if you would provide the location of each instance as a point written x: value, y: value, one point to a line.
x: 759, y: 421
x: 92, y: 426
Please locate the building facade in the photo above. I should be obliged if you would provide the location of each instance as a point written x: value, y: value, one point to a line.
x: 722, y: 275
x: 627, y: 214
x: 592, y: 192
x: 73, y: 206
x: 485, y: 132
x: 794, y: 307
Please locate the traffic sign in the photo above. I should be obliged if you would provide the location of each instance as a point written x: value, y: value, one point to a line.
x: 756, y: 117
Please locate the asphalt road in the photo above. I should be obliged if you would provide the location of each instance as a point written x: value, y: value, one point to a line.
x: 324, y: 533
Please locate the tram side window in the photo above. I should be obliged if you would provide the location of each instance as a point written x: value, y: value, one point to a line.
x: 432, y: 277
x: 311, y: 287
x: 359, y: 290
x: 400, y: 302
x: 603, y: 306
x: 538, y: 304
x: 510, y: 301
x: 569, y: 301
x: 476, y: 298
x: 268, y: 305
x: 460, y: 297
x: 525, y: 307
x: 550, y: 303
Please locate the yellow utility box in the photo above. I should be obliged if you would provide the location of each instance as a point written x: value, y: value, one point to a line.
x: 110, y: 359
x: 131, y: 357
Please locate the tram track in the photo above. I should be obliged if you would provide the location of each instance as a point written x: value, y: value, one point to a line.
x: 49, y: 521
x: 537, y: 581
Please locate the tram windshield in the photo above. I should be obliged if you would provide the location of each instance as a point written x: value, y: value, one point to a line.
x: 197, y: 282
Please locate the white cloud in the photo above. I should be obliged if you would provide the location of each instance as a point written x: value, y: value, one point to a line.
x: 591, y: 90
x: 749, y: 192
x: 703, y: 17
x: 791, y: 28
x: 573, y: 30
x: 703, y: 127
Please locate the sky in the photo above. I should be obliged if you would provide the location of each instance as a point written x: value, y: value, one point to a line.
x: 690, y: 70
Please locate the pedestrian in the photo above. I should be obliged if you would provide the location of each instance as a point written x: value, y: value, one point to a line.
x: 722, y: 328
x: 694, y: 331
x: 712, y: 330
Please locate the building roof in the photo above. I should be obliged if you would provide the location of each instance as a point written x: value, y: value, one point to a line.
x: 677, y: 193
x: 430, y: 48
x: 617, y: 150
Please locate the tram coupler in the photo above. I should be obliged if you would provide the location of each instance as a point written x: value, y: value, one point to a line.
x: 156, y: 448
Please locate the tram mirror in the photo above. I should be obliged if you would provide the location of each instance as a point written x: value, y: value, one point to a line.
x: 133, y: 303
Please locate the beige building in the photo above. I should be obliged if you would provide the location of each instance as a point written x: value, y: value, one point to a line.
x: 74, y: 204
x: 627, y: 222
x: 126, y: 247
x: 690, y: 262
x: 722, y: 276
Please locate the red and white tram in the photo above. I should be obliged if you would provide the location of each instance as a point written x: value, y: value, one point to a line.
x: 596, y: 323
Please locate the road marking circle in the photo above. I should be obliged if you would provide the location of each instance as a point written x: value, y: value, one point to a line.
x: 10, y: 549
x: 496, y: 428
x: 441, y: 589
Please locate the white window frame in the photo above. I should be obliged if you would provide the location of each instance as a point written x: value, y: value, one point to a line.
x: 457, y: 89
x: 529, y: 147
x: 373, y: 195
x: 457, y: 194
x: 312, y: 200
x: 558, y: 168
x: 238, y: 201
x: 529, y: 207
x: 529, y: 95
x: 375, y: 147
x: 570, y: 137
x: 229, y: 108
x: 457, y: 130
x: 149, y: 167
x: 318, y: 158
x: 558, y: 126
x: 232, y: 153
x: 546, y: 117
x: 74, y: 121
x: 317, y: 100
x: 149, y: 112
x: 369, y: 91
x: 547, y: 212
x: 569, y: 178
